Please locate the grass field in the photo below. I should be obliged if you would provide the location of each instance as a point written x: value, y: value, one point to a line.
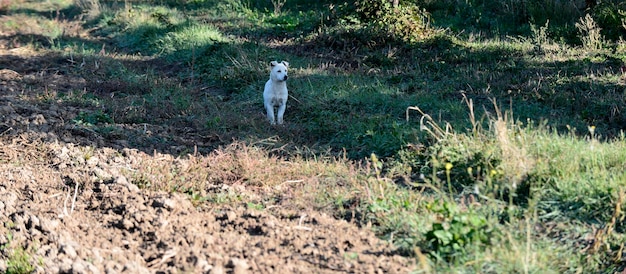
x: 484, y: 136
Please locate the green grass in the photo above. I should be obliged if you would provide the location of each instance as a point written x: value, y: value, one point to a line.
x: 495, y: 168
x: 18, y: 260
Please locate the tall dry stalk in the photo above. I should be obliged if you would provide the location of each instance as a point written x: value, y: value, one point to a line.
x: 589, y: 33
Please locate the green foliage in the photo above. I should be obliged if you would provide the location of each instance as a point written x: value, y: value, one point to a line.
x: 611, y: 17
x: 94, y: 118
x: 18, y: 260
x: 255, y: 206
x: 404, y: 22
x: 455, y: 229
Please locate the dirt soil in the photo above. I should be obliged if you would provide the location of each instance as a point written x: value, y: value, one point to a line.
x: 64, y: 199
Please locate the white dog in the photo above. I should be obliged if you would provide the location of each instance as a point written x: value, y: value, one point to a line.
x: 275, y: 93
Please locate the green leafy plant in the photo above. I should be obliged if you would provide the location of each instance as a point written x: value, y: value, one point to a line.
x: 399, y: 20
x: 93, y: 118
x: 255, y: 206
x: 18, y: 261
x: 610, y: 16
x: 589, y: 32
x: 455, y: 229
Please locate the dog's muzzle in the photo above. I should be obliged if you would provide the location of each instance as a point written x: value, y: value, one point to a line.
x: 285, y: 79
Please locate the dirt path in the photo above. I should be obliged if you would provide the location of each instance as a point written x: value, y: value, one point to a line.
x: 64, y: 199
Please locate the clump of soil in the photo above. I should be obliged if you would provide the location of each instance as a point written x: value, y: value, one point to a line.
x: 66, y: 201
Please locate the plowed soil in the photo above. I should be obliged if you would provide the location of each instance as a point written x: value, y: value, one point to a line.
x: 65, y: 200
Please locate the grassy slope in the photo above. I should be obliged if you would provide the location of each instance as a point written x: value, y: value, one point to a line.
x: 443, y: 194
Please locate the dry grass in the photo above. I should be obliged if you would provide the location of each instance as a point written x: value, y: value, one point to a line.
x: 516, y: 162
x: 589, y: 33
x: 250, y: 169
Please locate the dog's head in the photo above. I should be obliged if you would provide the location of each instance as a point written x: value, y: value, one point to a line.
x: 279, y: 71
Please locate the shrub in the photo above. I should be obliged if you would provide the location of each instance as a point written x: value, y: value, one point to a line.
x: 396, y: 20
x: 455, y: 230
x: 590, y: 35
x: 611, y: 16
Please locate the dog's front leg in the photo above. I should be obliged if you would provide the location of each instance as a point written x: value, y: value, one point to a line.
x: 270, y: 113
x: 281, y: 112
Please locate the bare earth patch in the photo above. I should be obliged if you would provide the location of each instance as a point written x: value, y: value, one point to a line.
x: 66, y: 199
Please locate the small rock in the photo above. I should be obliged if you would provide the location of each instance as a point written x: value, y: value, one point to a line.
x: 270, y: 224
x: 134, y: 267
x: 231, y: 216
x: 121, y: 180
x: 48, y: 251
x: 101, y: 174
x: 52, y: 269
x: 48, y: 225
x: 66, y: 265
x: 166, y: 203
x: 18, y: 218
x: 203, y: 265
x: 217, y: 270
x: 68, y: 250
x: 9, y: 200
x: 112, y: 267
x: 252, y: 213
x: 127, y: 224
x: 38, y: 119
x: 33, y: 222
x: 93, y: 161
x: 39, y: 269
x: 79, y: 267
x: 92, y: 268
x: 240, y: 266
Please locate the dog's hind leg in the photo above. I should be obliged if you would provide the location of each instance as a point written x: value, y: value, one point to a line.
x: 270, y: 113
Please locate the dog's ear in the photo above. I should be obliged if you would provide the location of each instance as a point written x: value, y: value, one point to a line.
x: 273, y: 63
x: 285, y: 63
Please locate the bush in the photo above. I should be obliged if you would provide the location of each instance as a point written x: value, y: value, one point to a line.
x: 406, y: 22
x: 611, y: 17
x: 455, y: 230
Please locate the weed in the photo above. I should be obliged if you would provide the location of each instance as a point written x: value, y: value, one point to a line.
x: 92, y: 8
x: 19, y: 262
x: 92, y: 119
x: 589, y: 33
x: 18, y: 259
x: 278, y: 5
x: 454, y: 230
x: 403, y: 22
x: 255, y: 206
x: 540, y: 35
